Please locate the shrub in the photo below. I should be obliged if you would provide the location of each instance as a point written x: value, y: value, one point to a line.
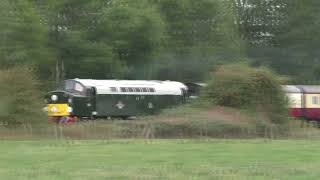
x: 243, y: 87
x: 20, y: 99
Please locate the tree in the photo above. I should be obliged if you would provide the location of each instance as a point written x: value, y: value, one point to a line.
x: 24, y: 107
x: 282, y: 35
x: 101, y: 39
x: 300, y: 36
x: 260, y: 20
x: 23, y: 36
x: 200, y: 34
x: 76, y: 55
x: 133, y: 29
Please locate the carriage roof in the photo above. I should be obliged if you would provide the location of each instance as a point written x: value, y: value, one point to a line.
x: 311, y: 89
x: 159, y: 87
x: 291, y: 89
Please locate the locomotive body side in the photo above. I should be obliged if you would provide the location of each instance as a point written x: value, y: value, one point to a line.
x: 87, y: 98
x: 124, y: 98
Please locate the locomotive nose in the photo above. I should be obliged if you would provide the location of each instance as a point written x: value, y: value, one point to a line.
x: 57, y: 104
x: 56, y: 97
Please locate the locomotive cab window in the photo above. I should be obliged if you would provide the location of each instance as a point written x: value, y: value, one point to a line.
x: 78, y: 87
x: 69, y: 85
x: 74, y: 87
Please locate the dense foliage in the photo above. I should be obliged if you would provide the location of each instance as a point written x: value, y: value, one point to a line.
x: 243, y: 87
x: 152, y: 39
x: 20, y: 97
x: 144, y: 39
x: 283, y: 35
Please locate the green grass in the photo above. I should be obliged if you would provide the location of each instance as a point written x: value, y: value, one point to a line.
x: 160, y: 159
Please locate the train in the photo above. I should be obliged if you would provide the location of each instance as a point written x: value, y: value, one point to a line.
x: 303, y: 101
x: 91, y: 99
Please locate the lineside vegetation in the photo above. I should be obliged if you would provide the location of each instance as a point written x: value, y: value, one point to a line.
x: 257, y: 90
x: 20, y: 97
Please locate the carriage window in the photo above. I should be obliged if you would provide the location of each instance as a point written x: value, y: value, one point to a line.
x: 138, y: 89
x: 113, y: 89
x: 123, y: 89
x: 152, y: 90
x: 315, y: 100
x: 144, y: 90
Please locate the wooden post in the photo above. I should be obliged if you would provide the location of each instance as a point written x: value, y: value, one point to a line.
x: 57, y: 72
x: 63, y: 73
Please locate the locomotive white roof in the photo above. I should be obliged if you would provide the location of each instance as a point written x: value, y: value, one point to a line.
x: 161, y: 87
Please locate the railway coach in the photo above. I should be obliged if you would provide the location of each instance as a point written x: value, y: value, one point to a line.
x: 294, y: 96
x: 304, y: 101
x: 88, y: 98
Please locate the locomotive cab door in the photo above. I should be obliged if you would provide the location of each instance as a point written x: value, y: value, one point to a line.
x: 92, y: 95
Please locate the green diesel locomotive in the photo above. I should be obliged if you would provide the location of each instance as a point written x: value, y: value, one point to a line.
x: 90, y: 99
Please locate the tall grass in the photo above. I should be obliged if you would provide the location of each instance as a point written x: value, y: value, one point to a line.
x: 168, y: 127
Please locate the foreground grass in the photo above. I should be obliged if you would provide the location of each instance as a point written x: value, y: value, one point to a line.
x: 160, y: 159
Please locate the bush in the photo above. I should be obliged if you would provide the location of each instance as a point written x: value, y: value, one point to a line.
x: 255, y: 89
x: 20, y: 99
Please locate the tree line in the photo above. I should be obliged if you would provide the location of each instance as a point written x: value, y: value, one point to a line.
x: 159, y: 39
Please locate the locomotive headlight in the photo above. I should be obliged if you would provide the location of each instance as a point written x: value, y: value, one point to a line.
x: 54, y: 97
x: 70, y: 100
x: 54, y: 109
x: 69, y: 109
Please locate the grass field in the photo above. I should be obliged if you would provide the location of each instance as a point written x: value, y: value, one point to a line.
x: 160, y: 159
